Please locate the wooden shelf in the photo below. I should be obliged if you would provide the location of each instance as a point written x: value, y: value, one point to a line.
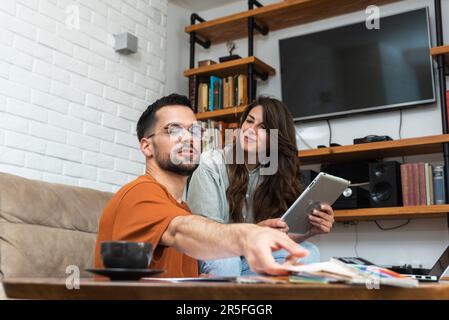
x: 231, y: 68
x: 277, y: 16
x: 391, y: 213
x: 375, y: 150
x: 228, y: 114
x: 436, y: 51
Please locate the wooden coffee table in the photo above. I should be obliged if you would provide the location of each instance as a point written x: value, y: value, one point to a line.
x: 54, y: 288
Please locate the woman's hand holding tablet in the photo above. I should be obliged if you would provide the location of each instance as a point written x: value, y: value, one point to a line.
x: 311, y: 213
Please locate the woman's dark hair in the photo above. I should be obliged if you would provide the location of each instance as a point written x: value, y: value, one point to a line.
x: 276, y: 192
x: 148, y: 117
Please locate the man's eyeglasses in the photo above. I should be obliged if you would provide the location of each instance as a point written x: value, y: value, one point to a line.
x: 176, y: 131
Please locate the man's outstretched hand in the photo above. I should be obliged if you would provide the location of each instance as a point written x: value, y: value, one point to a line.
x: 259, y: 245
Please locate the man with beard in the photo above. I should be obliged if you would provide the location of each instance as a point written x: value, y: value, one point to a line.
x: 151, y: 209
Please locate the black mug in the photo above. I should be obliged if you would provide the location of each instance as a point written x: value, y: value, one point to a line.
x: 126, y: 255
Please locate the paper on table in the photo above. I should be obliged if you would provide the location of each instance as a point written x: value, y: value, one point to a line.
x: 331, y: 266
x: 354, y: 275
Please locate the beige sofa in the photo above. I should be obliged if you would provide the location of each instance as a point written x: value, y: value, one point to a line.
x: 46, y: 227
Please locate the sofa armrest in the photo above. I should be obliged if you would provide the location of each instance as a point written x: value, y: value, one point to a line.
x: 2, y: 292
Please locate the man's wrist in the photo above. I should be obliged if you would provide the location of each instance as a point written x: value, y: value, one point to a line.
x: 244, y: 233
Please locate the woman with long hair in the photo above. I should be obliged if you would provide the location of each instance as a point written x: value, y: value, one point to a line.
x: 254, y: 180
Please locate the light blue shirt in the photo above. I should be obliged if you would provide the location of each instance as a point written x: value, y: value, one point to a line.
x: 206, y: 193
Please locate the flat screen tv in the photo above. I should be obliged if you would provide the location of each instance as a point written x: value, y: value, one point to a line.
x: 352, y: 69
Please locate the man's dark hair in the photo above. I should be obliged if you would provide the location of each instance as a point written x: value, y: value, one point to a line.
x: 148, y: 117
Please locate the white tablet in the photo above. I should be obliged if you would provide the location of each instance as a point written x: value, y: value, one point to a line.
x: 325, y: 188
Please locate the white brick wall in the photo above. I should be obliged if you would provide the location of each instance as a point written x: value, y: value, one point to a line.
x: 68, y: 102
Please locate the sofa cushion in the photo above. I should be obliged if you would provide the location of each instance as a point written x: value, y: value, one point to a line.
x: 45, y: 227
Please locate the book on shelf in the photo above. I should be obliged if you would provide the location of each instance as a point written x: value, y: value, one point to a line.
x: 213, y: 93
x: 439, y: 185
x: 405, y: 185
x: 226, y: 102
x: 231, y: 93
x: 206, y: 63
x: 242, y: 93
x: 415, y: 186
x: 429, y: 184
x: 418, y: 185
x: 203, y: 97
x: 193, y: 92
x: 422, y: 184
x: 218, y: 94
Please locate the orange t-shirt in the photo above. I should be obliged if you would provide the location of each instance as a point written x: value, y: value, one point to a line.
x: 142, y: 211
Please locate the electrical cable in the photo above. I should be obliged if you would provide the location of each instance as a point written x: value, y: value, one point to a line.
x: 356, y: 242
x: 330, y: 132
x: 392, y: 228
x: 303, y: 140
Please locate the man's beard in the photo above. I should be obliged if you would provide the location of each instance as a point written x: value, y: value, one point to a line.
x: 182, y: 169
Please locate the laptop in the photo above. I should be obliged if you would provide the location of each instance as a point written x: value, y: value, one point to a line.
x: 430, y: 275
x: 433, y: 274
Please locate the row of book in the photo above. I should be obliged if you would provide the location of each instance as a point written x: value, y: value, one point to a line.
x: 214, y: 134
x: 422, y: 184
x: 214, y: 93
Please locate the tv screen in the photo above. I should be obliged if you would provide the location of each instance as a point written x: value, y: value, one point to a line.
x: 352, y: 69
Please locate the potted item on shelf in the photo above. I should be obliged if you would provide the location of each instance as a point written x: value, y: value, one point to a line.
x: 231, y: 47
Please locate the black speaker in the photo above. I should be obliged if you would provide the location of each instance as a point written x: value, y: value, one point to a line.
x: 385, y: 184
x: 352, y: 198
x: 356, y: 172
